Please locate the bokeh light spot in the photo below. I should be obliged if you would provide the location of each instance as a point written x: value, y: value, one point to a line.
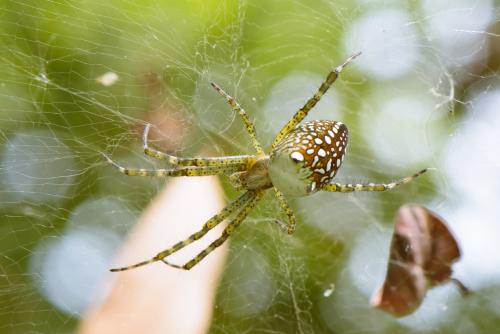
x: 38, y: 167
x: 388, y: 41
x: 69, y: 270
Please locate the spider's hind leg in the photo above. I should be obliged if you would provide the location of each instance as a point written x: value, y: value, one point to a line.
x: 244, y: 211
x: 237, y: 204
x: 345, y: 188
x: 290, y: 227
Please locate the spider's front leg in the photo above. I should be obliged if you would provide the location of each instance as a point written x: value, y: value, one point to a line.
x: 193, y: 162
x: 248, y: 123
x: 185, y: 171
x: 302, y: 112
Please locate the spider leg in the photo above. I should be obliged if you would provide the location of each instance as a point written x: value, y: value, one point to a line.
x: 225, y: 234
x: 235, y: 205
x: 193, y: 162
x: 290, y: 227
x: 185, y: 171
x: 248, y: 123
x: 302, y: 112
x: 338, y: 187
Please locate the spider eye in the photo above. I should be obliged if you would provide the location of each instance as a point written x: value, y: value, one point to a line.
x: 319, y: 148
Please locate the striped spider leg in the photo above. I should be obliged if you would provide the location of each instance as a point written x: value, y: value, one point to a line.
x: 254, y: 197
x: 302, y: 112
x: 242, y: 203
x: 303, y: 159
x: 241, y: 160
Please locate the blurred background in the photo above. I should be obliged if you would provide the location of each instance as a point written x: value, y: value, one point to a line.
x: 78, y: 78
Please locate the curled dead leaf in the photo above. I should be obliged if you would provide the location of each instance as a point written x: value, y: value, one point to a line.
x: 421, y: 254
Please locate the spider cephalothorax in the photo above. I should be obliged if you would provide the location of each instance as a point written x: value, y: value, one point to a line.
x: 303, y: 159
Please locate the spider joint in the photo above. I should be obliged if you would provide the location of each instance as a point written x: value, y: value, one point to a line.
x: 288, y: 229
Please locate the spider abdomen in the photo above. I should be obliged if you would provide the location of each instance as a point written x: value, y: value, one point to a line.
x: 308, y: 157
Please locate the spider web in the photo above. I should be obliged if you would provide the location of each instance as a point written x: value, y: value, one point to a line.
x: 81, y: 78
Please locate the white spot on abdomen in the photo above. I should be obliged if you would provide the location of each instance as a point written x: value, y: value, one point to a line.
x: 329, y: 165
x: 297, y: 156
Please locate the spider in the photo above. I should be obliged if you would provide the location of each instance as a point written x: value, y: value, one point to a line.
x: 302, y: 160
